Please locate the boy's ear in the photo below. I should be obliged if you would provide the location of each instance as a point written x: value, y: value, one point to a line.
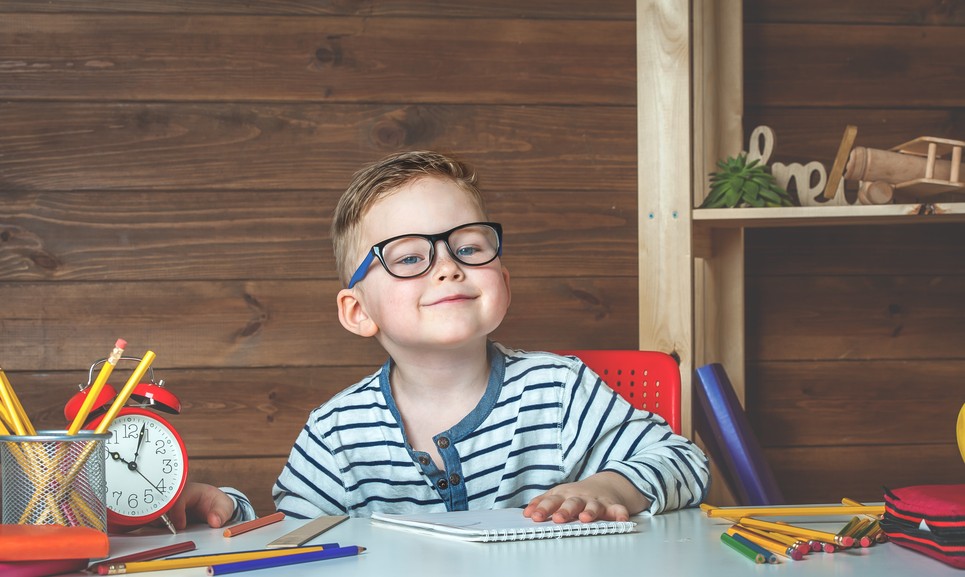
x: 352, y: 314
x: 509, y: 293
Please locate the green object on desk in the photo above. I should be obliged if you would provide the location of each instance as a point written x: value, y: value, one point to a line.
x: 847, y: 528
x: 741, y: 548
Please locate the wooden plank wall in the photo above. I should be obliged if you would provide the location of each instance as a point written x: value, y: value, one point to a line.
x: 168, y: 170
x: 855, y: 335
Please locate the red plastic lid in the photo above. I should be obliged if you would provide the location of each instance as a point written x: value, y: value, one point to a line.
x: 99, y: 407
x: 157, y: 397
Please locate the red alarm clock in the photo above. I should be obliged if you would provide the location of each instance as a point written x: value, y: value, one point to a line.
x: 146, y: 462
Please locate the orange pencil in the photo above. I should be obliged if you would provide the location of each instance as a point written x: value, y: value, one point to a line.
x: 245, y: 527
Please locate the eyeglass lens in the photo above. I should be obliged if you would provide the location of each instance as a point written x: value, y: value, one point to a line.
x: 411, y: 256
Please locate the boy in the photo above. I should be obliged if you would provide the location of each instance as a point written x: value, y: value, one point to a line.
x: 453, y: 421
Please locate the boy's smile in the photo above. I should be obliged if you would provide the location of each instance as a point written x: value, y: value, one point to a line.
x: 450, y: 306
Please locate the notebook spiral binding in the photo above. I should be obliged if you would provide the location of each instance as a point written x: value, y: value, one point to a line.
x: 558, y: 531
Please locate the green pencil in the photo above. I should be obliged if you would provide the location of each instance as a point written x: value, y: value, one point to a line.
x: 847, y: 528
x: 741, y: 548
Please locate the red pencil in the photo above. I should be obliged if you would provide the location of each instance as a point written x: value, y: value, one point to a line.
x: 149, y: 555
x: 245, y: 527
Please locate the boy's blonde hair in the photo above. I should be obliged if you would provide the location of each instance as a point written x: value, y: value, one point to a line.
x: 381, y: 179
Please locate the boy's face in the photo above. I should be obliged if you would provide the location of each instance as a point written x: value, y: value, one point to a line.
x: 449, y: 306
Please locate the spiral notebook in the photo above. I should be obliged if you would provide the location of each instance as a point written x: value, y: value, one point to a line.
x: 497, y: 525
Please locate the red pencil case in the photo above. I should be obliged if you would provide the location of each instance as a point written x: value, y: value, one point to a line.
x: 929, y: 519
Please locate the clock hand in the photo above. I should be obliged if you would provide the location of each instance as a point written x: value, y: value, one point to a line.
x: 117, y: 457
x: 140, y: 438
x: 133, y: 467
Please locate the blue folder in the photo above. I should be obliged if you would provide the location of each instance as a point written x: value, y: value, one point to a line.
x: 720, y: 421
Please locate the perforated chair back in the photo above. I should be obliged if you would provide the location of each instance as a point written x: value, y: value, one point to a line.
x: 648, y: 380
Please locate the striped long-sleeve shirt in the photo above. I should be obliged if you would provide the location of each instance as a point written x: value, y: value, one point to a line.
x: 544, y: 420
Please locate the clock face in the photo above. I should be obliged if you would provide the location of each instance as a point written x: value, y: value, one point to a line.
x: 146, y: 467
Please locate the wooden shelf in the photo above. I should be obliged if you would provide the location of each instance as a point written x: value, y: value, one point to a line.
x: 828, y: 215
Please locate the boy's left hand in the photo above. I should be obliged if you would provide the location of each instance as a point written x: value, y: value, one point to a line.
x: 200, y: 503
x: 606, y: 496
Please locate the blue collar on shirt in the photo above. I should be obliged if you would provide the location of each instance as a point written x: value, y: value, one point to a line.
x: 476, y: 417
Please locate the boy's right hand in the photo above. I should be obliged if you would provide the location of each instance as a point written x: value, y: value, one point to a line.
x: 200, y: 503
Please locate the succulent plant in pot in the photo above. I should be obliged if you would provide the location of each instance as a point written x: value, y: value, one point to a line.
x: 742, y: 183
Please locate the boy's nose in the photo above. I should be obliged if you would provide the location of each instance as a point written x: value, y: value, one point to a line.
x: 445, y: 266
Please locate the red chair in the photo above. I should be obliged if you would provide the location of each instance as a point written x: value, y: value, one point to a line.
x: 648, y: 380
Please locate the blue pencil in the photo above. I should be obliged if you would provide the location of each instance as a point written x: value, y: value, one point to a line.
x: 769, y: 556
x: 262, y: 550
x: 270, y: 562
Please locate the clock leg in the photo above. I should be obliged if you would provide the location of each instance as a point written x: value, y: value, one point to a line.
x: 168, y: 523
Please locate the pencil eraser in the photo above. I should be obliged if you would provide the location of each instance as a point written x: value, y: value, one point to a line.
x: 847, y: 541
x: 829, y: 548
x: 796, y: 555
x: 121, y: 343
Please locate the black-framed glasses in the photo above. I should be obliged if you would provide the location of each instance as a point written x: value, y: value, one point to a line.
x: 412, y: 255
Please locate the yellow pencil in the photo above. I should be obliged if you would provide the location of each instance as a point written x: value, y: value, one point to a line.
x: 17, y: 406
x: 4, y: 417
x: 95, y: 389
x: 737, y: 512
x: 116, y: 407
x: 206, y: 560
x: 823, y: 536
x: 766, y: 542
x: 125, y: 393
x: 7, y: 396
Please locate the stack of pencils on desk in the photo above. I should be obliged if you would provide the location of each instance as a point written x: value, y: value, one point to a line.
x: 226, y: 563
x: 766, y: 541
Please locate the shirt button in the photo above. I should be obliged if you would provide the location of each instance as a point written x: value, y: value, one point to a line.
x: 442, y: 484
x: 443, y: 442
x: 424, y: 460
x: 454, y: 479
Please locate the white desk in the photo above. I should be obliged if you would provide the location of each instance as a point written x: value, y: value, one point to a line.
x: 679, y: 543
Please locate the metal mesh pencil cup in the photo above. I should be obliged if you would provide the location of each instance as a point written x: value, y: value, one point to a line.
x: 53, y: 478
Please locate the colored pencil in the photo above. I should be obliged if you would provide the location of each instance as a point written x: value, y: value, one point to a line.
x: 149, y: 555
x: 245, y: 527
x: 859, y: 529
x: 866, y: 537
x: 125, y: 393
x: 741, y: 548
x: 798, y: 544
x: 95, y: 389
x: 13, y: 411
x: 206, y: 560
x: 847, y: 528
x: 268, y: 563
x: 796, y: 531
x: 738, y: 512
x: 877, y: 535
x: 4, y: 417
x: 769, y: 557
x: 767, y: 543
